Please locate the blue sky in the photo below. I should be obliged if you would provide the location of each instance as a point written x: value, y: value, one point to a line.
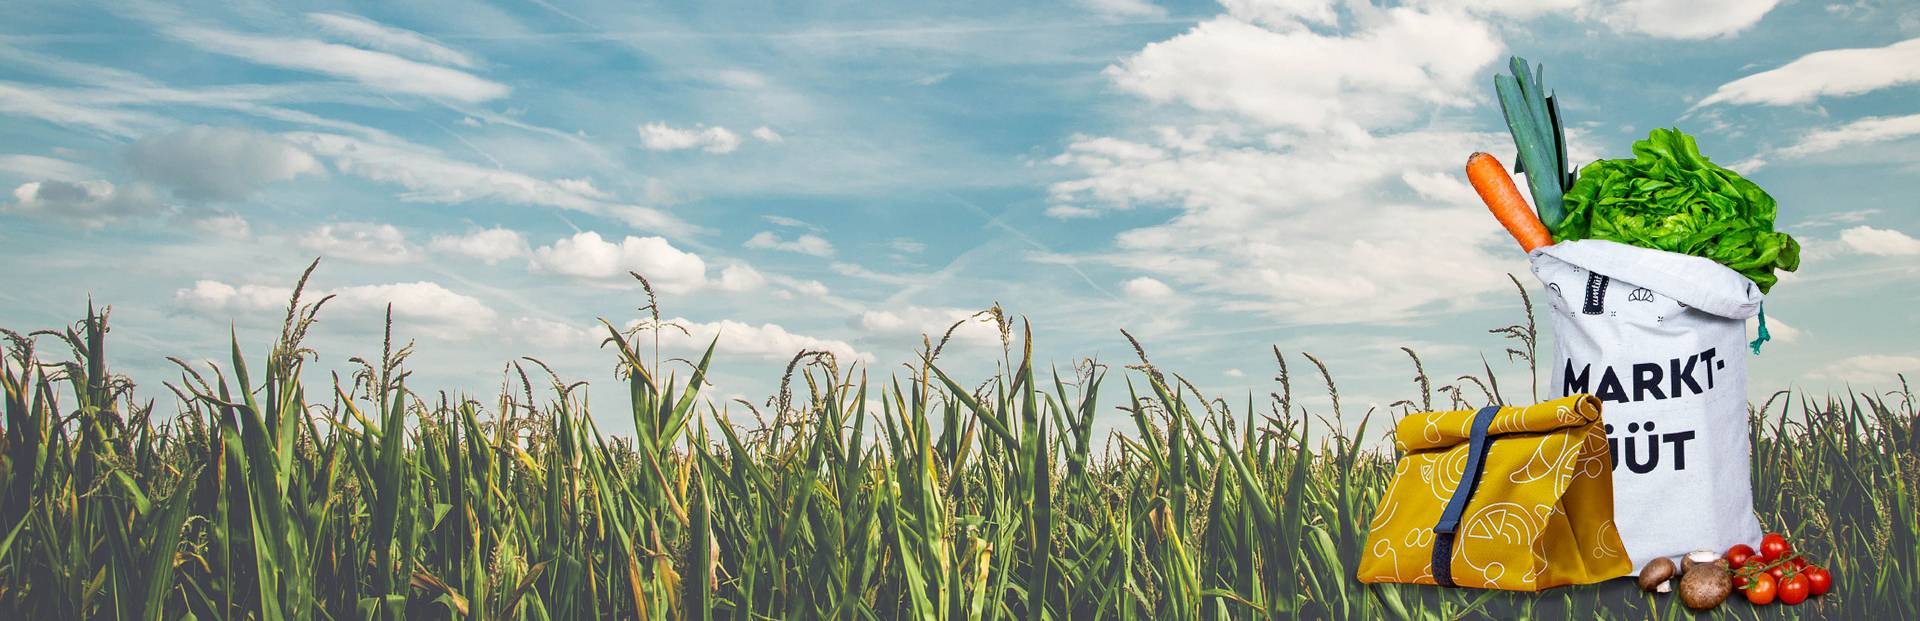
x: 1218, y: 179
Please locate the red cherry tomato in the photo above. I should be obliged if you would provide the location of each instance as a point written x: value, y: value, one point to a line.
x: 1794, y: 590
x: 1799, y: 563
x: 1779, y: 572
x: 1762, y: 591
x: 1738, y: 555
x: 1819, y: 581
x: 1774, y: 547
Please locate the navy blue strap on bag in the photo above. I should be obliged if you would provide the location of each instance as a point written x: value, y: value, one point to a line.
x: 1443, y: 531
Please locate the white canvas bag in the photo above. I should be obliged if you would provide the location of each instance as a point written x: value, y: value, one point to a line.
x: 1660, y: 338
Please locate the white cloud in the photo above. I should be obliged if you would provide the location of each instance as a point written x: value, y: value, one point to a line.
x: 490, y: 246
x: 360, y: 242
x: 588, y: 257
x: 811, y: 288
x: 212, y: 296
x: 1124, y: 8
x: 1871, y: 369
x: 1521, y: 9
x: 740, y: 277
x: 1146, y: 288
x: 1829, y: 73
x: 1880, y: 242
x: 434, y: 178
x: 1236, y: 373
x: 905, y: 325
x: 808, y: 243
x: 1389, y: 71
x: 377, y: 70
x: 423, y: 301
x: 424, y: 306
x: 1283, y: 14
x: 1071, y: 212
x: 1445, y: 187
x: 766, y: 341
x: 663, y: 137
x: 789, y: 222
x: 386, y: 38
x: 87, y: 204
x: 553, y: 335
x: 1850, y: 216
x: 218, y: 163
x: 220, y: 224
x: 583, y: 187
x: 766, y: 134
x: 42, y: 167
x: 1683, y: 19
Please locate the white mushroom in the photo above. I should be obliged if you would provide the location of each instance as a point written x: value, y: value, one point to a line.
x: 1697, y: 557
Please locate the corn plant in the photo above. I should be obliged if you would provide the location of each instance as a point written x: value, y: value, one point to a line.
x: 267, y: 493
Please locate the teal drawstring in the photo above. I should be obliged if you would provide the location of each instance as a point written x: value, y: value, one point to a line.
x: 1763, y: 336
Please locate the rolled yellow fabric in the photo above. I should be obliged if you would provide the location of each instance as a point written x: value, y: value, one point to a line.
x: 1541, y: 515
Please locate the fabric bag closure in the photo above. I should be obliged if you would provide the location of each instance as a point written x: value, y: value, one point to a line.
x: 1449, y: 523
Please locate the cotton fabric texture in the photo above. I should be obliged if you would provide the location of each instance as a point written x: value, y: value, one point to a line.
x: 1660, y: 338
x: 1541, y: 516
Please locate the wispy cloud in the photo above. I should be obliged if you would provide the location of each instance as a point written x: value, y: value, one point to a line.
x: 377, y: 70
x: 58, y: 106
x: 432, y: 177
x: 1868, y: 370
x: 807, y: 243
x: 424, y: 306
x: 1859, y: 132
x: 388, y: 38
x: 42, y: 167
x: 1124, y: 8
x: 1828, y: 73
x: 663, y: 137
x: 361, y: 242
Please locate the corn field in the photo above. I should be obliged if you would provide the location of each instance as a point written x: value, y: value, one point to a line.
x: 260, y: 492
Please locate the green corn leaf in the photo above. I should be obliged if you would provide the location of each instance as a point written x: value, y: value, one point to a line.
x: 165, y: 540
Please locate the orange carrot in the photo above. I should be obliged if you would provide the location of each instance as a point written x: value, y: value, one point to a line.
x: 1496, y: 188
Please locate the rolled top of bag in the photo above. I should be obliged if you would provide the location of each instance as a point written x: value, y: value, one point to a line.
x: 1698, y: 282
x: 1434, y: 430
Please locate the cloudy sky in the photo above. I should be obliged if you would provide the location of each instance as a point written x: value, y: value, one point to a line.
x: 1216, y: 178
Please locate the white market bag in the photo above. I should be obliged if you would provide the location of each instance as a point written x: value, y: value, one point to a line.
x: 1660, y: 338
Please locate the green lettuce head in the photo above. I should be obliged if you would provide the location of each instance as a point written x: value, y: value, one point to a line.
x: 1669, y: 197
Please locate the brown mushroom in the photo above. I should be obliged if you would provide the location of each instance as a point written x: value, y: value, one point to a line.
x: 1657, y: 576
x: 1705, y: 586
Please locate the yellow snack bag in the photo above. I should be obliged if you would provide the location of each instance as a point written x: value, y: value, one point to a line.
x: 1515, y: 498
